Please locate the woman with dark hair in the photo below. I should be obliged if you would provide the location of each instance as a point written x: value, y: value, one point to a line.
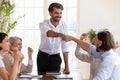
x: 4, y: 47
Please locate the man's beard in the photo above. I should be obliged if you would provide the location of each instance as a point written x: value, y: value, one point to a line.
x: 56, y: 20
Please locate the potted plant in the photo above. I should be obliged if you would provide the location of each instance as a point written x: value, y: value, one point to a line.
x: 92, y: 33
x: 6, y: 10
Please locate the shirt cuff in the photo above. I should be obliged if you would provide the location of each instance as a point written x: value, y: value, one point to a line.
x: 30, y: 62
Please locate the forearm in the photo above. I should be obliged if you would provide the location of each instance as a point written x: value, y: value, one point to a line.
x: 65, y: 56
x: 14, y: 71
x: 51, y: 33
x: 84, y: 45
x: 26, y: 68
x: 19, y: 67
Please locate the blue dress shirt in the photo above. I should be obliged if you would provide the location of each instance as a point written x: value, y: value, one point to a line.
x: 110, y: 64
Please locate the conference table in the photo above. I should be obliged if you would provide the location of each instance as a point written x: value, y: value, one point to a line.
x: 51, y: 76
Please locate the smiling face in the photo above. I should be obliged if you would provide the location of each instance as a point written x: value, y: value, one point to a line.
x: 5, y: 44
x: 56, y: 14
x: 17, y: 44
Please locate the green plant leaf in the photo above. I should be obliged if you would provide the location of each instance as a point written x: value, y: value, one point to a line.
x: 6, y: 10
x: 91, y: 34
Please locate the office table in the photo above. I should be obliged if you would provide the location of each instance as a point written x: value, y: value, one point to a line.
x: 51, y: 76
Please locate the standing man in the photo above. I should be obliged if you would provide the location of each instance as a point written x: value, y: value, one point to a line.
x: 48, y: 58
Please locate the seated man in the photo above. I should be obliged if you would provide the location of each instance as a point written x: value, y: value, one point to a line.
x: 94, y: 62
x: 109, y: 68
x: 16, y: 42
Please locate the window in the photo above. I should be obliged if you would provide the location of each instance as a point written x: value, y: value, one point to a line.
x: 35, y: 12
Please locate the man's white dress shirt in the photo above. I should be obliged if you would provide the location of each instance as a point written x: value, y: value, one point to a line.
x: 49, y: 44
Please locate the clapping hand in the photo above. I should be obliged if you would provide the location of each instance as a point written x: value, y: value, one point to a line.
x: 83, y: 36
x: 117, y: 45
x: 17, y: 55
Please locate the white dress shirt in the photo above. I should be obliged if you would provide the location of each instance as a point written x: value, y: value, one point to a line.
x: 52, y: 45
x: 1, y: 64
x: 110, y: 65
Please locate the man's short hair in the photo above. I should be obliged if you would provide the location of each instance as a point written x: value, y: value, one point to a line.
x: 55, y: 5
x: 107, y: 40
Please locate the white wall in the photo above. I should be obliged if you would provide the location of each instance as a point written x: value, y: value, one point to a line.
x: 99, y: 14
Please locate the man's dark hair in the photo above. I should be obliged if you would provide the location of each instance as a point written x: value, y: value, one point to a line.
x: 107, y: 40
x: 55, y: 5
x: 2, y: 37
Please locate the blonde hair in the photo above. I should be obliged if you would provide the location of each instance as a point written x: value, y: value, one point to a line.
x: 13, y: 39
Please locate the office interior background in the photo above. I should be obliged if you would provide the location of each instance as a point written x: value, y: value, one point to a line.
x: 80, y: 16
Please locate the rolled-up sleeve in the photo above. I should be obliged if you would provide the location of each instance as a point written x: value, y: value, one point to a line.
x: 44, y: 28
x: 65, y: 46
x: 92, y: 51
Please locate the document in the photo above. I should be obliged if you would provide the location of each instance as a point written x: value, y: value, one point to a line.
x: 30, y: 76
x: 63, y: 76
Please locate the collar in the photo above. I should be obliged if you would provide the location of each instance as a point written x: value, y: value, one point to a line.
x: 106, y: 53
x: 52, y: 24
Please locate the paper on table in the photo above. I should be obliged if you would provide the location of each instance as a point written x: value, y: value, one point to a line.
x: 25, y: 76
x: 63, y: 76
x: 30, y: 76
